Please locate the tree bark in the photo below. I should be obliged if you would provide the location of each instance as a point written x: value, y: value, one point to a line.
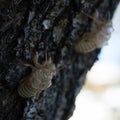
x: 45, y: 26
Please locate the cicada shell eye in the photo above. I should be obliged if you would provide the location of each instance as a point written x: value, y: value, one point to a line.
x: 110, y: 27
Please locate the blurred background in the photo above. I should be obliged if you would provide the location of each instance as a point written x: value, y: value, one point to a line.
x: 99, y: 99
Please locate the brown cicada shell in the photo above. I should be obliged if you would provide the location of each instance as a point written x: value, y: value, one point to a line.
x: 38, y: 80
x: 97, y: 37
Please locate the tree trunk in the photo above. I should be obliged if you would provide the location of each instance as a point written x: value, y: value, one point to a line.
x: 45, y: 26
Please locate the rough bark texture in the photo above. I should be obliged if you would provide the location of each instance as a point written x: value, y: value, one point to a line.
x: 46, y: 26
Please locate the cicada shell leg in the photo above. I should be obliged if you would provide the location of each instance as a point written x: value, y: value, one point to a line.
x: 35, y: 60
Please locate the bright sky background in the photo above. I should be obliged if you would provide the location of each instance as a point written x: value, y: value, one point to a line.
x: 105, y: 72
x: 111, y: 53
